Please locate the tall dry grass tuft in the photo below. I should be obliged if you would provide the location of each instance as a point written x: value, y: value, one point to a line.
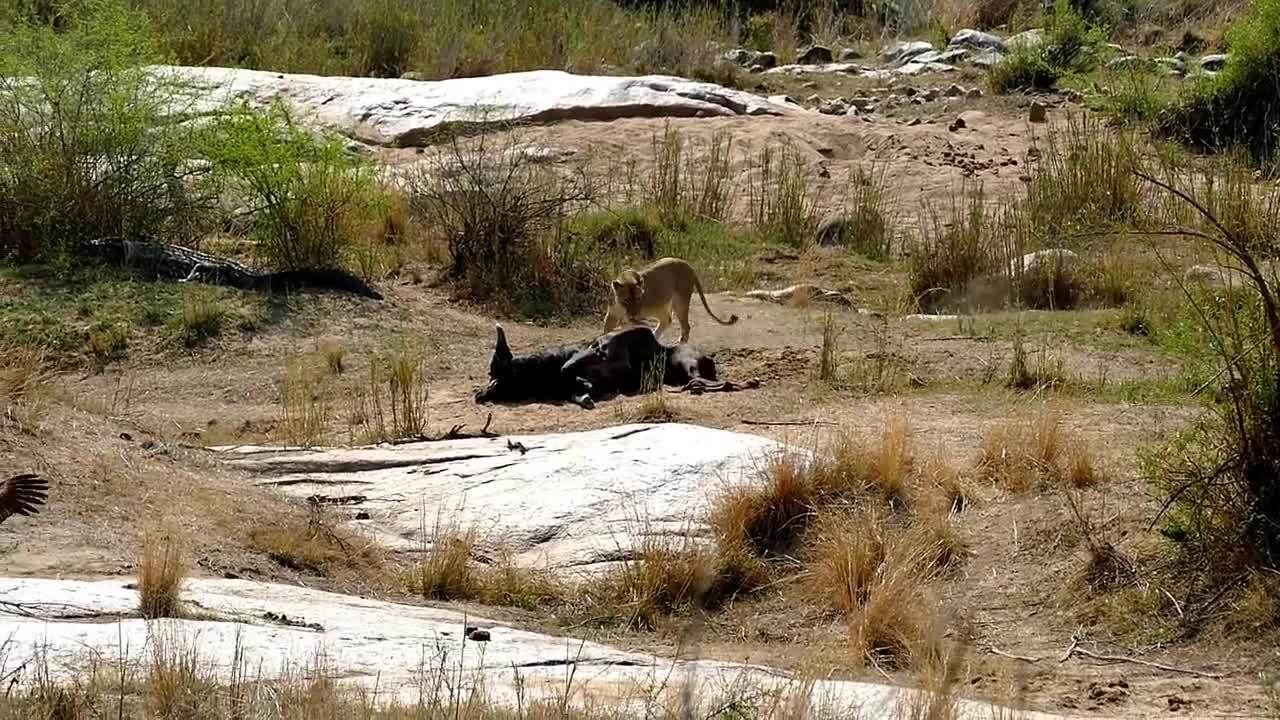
x: 783, y: 200
x: 898, y: 625
x: 679, y: 187
x: 847, y: 555
x: 445, y: 569
x: 392, y: 403
x: 178, y: 683
x: 306, y: 404
x: 1033, y: 453
x: 766, y: 518
x: 829, y: 355
x: 24, y: 381
x: 162, y: 569
x: 957, y: 248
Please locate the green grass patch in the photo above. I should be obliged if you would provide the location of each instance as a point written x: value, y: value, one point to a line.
x: 104, y: 315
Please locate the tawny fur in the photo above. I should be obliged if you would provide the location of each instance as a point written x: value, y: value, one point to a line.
x: 665, y: 286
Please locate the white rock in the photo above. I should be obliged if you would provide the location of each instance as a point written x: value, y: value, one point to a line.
x: 573, y: 500
x: 904, y: 51
x: 1026, y: 39
x: 978, y: 40
x: 400, y: 113
x: 1049, y: 260
x: 1213, y: 62
x: 915, y: 68
x: 846, y: 68
x: 395, y: 649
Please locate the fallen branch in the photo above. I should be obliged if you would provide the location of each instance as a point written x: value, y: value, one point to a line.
x: 1024, y: 658
x: 455, y: 432
x: 789, y: 422
x: 1076, y: 650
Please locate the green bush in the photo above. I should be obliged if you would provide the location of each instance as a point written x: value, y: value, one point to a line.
x: 310, y: 199
x: 503, y: 219
x: 1239, y: 106
x: 1221, y: 479
x: 1070, y: 46
x: 958, y: 246
x: 85, y: 148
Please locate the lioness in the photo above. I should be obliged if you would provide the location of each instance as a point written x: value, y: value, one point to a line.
x: 666, y: 285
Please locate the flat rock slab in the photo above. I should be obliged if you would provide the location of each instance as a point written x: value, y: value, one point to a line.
x: 68, y: 625
x: 406, y: 113
x: 571, y: 500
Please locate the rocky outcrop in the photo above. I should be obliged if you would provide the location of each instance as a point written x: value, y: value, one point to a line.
x: 401, y: 651
x: 572, y: 500
x: 404, y: 113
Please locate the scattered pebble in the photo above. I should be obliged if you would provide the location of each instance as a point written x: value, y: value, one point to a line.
x: 1039, y: 113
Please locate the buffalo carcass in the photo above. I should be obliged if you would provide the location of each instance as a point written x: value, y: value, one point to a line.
x: 613, y: 363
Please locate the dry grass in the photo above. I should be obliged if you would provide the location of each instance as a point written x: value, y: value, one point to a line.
x: 392, y: 403
x: 24, y: 386
x: 829, y: 355
x: 768, y: 517
x: 162, y: 569
x: 671, y: 574
x: 654, y: 407
x: 898, y: 625
x: 199, y: 319
x: 943, y: 479
x: 446, y: 570
x: 846, y: 558
x: 317, y: 544
x: 306, y: 405
x: 509, y: 584
x: 1033, y: 453
x: 179, y: 680
x: 876, y: 571
x: 335, y: 356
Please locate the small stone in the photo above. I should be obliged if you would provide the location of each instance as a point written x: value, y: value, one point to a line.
x: 973, y: 94
x: 477, y: 635
x: 815, y: 55
x: 411, y: 75
x: 833, y: 107
x: 930, y: 95
x: 957, y: 124
x: 954, y: 90
x: 1039, y: 113
x: 909, y: 91
x: 848, y: 55
x: 913, y: 122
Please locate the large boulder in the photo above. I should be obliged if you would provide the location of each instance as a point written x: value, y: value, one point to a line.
x: 572, y: 500
x: 267, y: 632
x: 400, y: 113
